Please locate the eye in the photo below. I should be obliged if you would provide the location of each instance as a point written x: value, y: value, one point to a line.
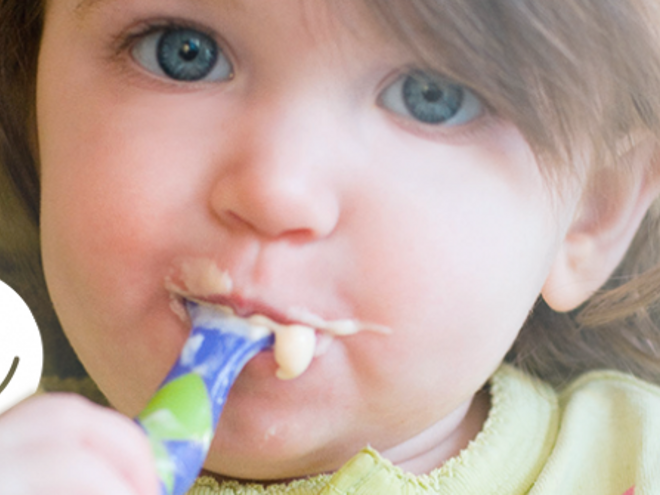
x: 431, y: 99
x: 182, y: 54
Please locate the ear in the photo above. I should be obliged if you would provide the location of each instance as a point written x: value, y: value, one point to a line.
x: 614, y: 203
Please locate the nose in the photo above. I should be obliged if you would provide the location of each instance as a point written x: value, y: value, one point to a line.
x: 279, y: 177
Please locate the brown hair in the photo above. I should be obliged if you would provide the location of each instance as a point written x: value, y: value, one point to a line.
x: 565, y: 73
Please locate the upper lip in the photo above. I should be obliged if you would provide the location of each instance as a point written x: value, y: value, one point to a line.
x: 243, y: 307
x: 239, y: 305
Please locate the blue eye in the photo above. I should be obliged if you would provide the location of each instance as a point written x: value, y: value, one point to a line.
x: 431, y: 99
x: 182, y: 54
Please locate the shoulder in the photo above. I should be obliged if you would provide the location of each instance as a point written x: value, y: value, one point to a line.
x: 608, y: 438
x: 612, y: 390
x: 616, y: 409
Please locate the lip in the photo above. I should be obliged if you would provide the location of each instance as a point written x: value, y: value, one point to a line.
x: 247, y: 308
x: 294, y: 345
x: 201, y: 280
x: 244, y: 308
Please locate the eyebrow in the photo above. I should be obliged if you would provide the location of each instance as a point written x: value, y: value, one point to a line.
x: 85, y: 6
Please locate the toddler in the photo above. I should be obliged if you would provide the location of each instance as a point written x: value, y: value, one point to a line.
x: 474, y: 180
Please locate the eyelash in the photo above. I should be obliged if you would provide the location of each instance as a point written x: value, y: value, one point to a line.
x: 125, y: 43
x: 128, y: 42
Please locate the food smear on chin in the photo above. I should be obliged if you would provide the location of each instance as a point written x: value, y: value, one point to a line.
x: 295, y: 344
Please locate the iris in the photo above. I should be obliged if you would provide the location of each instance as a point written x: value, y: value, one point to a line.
x: 186, y: 55
x: 431, y: 100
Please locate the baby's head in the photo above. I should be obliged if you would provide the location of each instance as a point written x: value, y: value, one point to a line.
x: 433, y: 167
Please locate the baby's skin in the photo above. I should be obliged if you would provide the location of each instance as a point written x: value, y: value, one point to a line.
x: 292, y: 164
x: 62, y: 443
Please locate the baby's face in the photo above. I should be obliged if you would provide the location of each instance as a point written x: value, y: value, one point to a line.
x: 307, y: 159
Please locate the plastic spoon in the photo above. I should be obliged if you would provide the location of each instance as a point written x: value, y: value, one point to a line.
x: 182, y: 416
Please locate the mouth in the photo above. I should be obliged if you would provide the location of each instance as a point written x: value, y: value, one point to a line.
x: 294, y: 346
x: 300, y: 335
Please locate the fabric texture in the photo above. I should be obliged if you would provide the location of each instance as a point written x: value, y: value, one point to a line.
x: 599, y: 436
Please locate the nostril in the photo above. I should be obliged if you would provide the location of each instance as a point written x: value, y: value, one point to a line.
x: 276, y: 206
x: 234, y: 220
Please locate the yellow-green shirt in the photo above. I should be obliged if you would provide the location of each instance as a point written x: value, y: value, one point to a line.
x: 600, y: 436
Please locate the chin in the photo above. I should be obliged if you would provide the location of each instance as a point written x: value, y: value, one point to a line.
x: 277, y: 445
x: 256, y: 462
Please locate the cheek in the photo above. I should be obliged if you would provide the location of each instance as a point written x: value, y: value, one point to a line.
x: 460, y: 258
x: 104, y: 260
x: 115, y: 189
x: 91, y: 216
x: 111, y: 220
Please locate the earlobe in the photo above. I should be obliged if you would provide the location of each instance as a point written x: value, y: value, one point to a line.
x: 613, y: 205
x: 570, y: 281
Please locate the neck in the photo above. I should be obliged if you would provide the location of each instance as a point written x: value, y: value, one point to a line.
x: 431, y: 448
x: 443, y: 440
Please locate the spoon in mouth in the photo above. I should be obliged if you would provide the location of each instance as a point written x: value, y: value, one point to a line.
x: 182, y: 416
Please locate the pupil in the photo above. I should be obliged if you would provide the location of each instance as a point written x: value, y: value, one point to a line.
x: 189, y: 50
x: 431, y: 100
x: 186, y: 54
x: 432, y: 93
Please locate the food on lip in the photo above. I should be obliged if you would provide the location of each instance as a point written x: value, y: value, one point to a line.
x: 295, y: 346
x: 338, y: 328
x: 200, y: 279
x: 194, y: 278
x: 294, y: 349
